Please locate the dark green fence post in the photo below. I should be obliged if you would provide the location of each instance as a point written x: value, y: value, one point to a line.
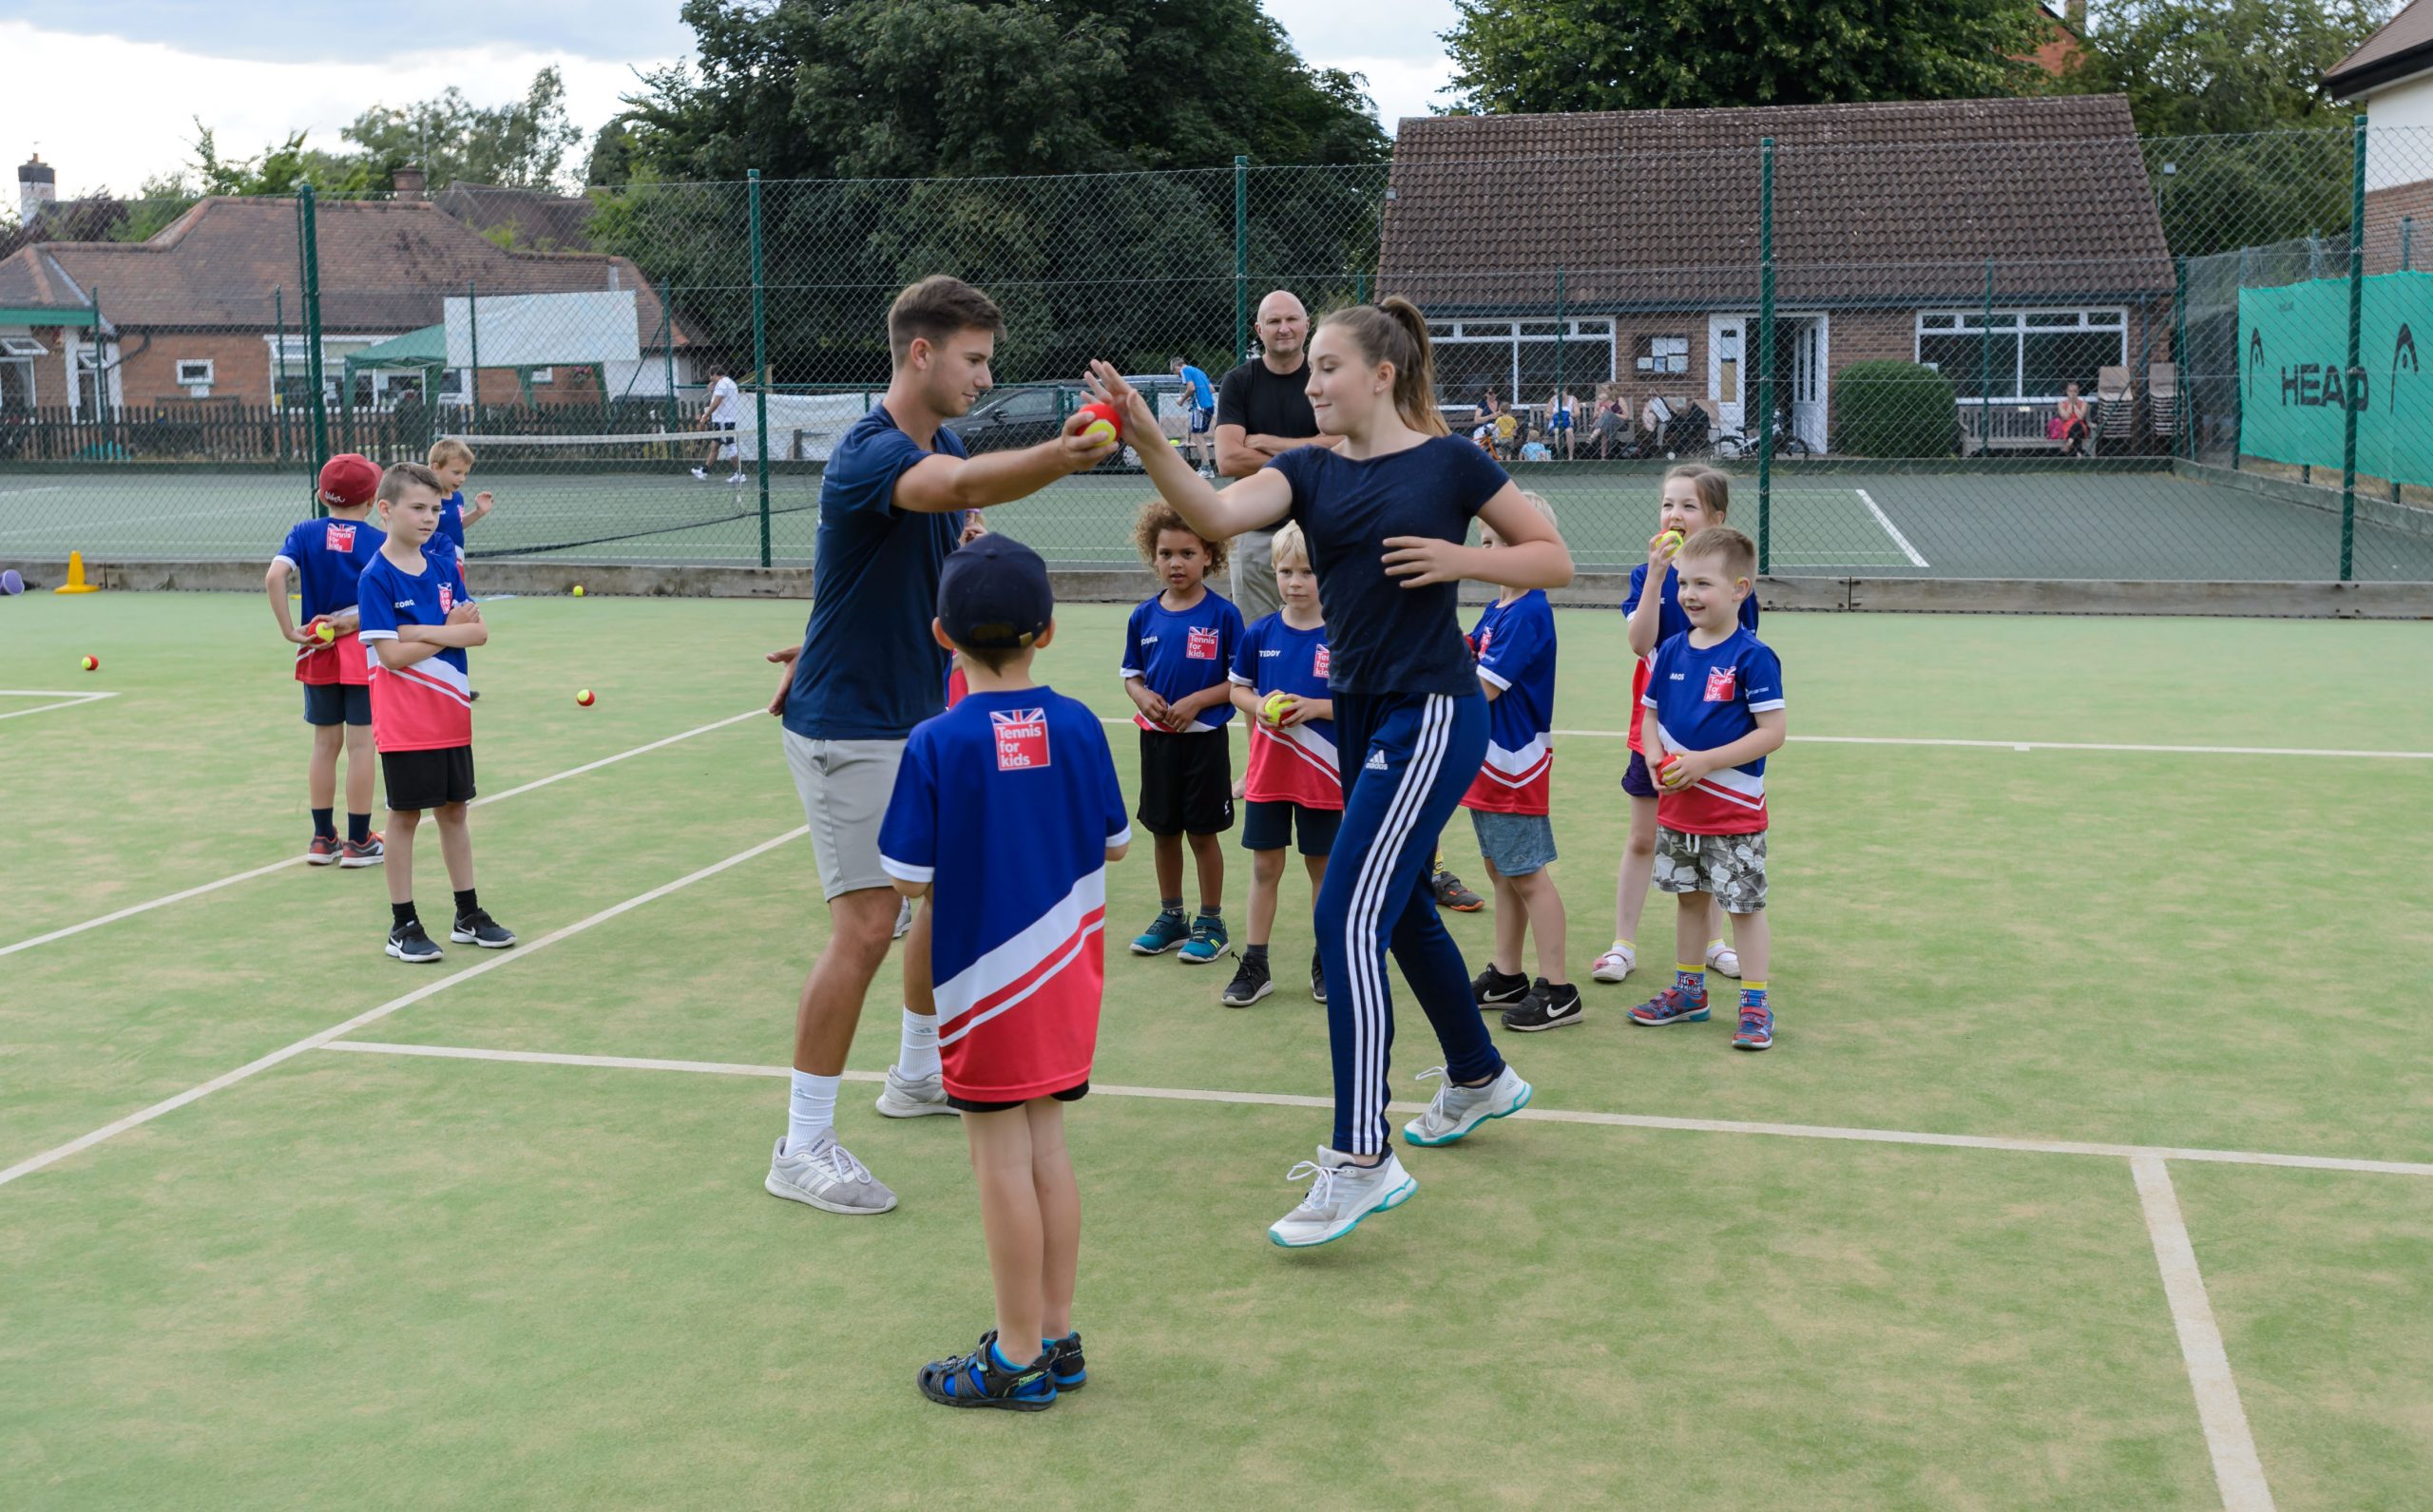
x: 1985, y: 368
x: 315, y: 371
x: 760, y: 357
x: 101, y: 375
x: 1765, y: 356
x: 473, y: 373
x: 1241, y: 258
x: 2238, y: 377
x: 1562, y: 385
x: 667, y: 312
x: 2356, y: 385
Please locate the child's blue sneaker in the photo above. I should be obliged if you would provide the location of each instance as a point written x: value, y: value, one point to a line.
x: 1208, y: 941
x: 1163, y: 933
x: 1672, y: 1005
x: 984, y: 1378
x: 1756, y: 1029
x: 1064, y: 1362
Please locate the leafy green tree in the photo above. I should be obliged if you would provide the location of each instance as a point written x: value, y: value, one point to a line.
x: 523, y: 143
x: 1531, y: 56
x: 2192, y: 67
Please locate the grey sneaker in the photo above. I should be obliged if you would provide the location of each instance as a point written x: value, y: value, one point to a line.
x: 828, y: 1177
x: 910, y: 1098
x: 903, y: 919
x: 1457, y: 1110
x: 1341, y: 1194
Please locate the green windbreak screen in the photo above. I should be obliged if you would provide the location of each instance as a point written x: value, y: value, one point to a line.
x: 2292, y: 405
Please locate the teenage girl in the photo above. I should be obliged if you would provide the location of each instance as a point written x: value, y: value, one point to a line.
x: 1384, y: 516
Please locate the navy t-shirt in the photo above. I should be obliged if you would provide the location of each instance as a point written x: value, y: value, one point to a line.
x: 868, y: 669
x: 1386, y: 638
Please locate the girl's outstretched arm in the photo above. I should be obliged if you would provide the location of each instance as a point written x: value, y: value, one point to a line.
x: 1256, y: 503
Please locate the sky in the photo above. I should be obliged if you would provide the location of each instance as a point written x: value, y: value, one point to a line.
x: 108, y: 91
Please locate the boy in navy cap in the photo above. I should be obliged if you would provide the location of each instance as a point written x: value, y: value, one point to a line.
x: 1006, y: 810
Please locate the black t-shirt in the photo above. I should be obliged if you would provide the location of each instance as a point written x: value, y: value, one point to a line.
x: 1385, y: 638
x: 1266, y: 403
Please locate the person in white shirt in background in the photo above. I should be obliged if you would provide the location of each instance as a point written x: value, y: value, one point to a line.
x: 720, y: 414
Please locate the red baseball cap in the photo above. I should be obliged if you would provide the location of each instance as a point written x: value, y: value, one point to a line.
x: 349, y: 479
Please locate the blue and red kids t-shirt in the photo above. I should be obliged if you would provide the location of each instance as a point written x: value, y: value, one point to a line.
x: 1297, y: 763
x: 1670, y: 621
x: 1707, y: 697
x: 328, y: 556
x: 1181, y: 652
x: 428, y: 706
x: 1515, y: 644
x: 451, y: 523
x: 1006, y: 805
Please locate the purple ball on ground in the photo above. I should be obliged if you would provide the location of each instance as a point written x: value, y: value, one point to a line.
x: 10, y: 584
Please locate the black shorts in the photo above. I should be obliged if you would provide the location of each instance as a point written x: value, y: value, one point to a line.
x: 1072, y: 1094
x: 1271, y: 827
x: 1635, y: 781
x: 428, y: 780
x: 337, y: 703
x: 1186, y: 782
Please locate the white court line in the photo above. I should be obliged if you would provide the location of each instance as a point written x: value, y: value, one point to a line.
x: 19, y: 493
x: 67, y: 701
x: 2028, y: 745
x: 133, y: 909
x: 1892, y: 529
x: 2237, y: 1472
x: 1626, y: 1120
x: 313, y: 1041
x: 264, y: 510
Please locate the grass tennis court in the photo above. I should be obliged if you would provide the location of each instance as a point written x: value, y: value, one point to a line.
x: 504, y: 1245
x: 2059, y: 523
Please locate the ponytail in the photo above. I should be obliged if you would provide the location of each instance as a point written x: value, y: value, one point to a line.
x: 1393, y: 330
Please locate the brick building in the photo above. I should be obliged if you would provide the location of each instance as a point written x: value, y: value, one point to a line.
x: 1630, y: 242
x: 209, y: 311
x: 2390, y: 78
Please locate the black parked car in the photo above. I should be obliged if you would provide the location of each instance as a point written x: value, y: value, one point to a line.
x: 1010, y: 418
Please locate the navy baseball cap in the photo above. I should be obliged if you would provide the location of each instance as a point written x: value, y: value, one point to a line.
x: 993, y: 595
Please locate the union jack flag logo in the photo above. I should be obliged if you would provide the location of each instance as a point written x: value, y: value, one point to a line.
x: 447, y: 598
x: 338, y: 536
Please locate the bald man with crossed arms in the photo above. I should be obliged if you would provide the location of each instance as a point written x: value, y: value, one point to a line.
x: 1263, y: 412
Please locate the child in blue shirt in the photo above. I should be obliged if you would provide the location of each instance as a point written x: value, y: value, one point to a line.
x: 1178, y: 662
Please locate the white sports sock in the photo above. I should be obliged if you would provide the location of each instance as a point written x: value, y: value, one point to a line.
x: 919, y: 1056
x: 811, y: 1115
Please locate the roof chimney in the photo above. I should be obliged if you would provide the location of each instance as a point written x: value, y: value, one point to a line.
x: 37, y: 187
x: 409, y: 183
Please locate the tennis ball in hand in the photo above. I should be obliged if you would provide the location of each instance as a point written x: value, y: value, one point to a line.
x: 1276, y: 707
x: 578, y: 590
x: 583, y: 698
x: 91, y: 663
x: 1670, y: 537
x: 327, y: 631
x: 1105, y: 425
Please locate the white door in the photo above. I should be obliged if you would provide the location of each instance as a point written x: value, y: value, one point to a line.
x: 1725, y: 374
x: 1810, y: 353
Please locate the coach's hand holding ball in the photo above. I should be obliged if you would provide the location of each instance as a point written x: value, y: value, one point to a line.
x: 1092, y: 433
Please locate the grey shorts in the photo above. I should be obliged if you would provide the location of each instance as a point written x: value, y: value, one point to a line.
x: 1730, y: 868
x: 1252, y: 560
x: 1515, y: 844
x: 844, y: 786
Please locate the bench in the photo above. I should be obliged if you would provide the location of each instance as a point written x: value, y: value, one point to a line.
x: 2002, y: 427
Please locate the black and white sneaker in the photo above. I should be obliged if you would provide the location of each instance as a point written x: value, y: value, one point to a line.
x: 478, y: 927
x: 1546, y: 1007
x: 1251, y: 982
x: 408, y: 944
x: 1495, y: 990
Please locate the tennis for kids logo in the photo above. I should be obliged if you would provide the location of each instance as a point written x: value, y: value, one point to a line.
x: 338, y: 536
x: 1202, y: 644
x: 1319, y: 671
x: 1022, y: 738
x: 1719, y: 684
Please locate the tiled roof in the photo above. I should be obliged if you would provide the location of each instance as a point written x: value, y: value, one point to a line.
x: 1873, y: 204
x: 2403, y: 45
x: 544, y: 223
x: 28, y: 279
x: 385, y: 266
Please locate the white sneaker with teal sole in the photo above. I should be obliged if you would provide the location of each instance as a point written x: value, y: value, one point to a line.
x: 1341, y: 1194
x: 1457, y: 1110
x: 913, y: 1097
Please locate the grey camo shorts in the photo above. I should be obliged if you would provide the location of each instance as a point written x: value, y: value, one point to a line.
x: 1730, y: 866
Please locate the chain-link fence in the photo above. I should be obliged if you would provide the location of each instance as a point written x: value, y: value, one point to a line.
x: 1960, y: 356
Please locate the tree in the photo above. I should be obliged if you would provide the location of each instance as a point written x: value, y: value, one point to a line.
x: 523, y: 143
x: 1529, y: 56
x: 2192, y: 67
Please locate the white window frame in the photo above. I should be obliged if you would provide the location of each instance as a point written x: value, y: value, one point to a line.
x: 27, y: 347
x: 187, y: 376
x: 2019, y: 324
x: 1513, y: 330
x: 542, y: 374
x: 33, y: 399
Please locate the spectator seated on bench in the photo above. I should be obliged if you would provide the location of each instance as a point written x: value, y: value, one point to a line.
x: 2069, y: 424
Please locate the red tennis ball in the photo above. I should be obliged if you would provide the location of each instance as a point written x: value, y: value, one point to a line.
x: 1105, y: 426
x: 583, y: 698
x: 91, y: 663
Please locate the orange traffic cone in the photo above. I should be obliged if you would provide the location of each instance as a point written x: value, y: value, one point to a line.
x: 76, y: 583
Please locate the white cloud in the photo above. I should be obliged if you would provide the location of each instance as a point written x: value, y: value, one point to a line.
x: 137, y: 121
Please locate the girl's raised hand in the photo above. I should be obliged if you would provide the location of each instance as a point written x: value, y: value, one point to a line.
x: 1421, y: 559
x: 1107, y: 385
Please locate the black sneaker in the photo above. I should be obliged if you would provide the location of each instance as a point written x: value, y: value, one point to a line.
x: 976, y: 1380
x: 1494, y: 990
x: 478, y: 927
x: 1546, y: 1007
x: 1317, y: 977
x: 1451, y: 895
x: 1065, y: 1364
x: 1251, y: 982
x: 408, y: 943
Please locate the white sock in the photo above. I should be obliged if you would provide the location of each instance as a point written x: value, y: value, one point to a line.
x: 919, y: 1056
x: 811, y: 1115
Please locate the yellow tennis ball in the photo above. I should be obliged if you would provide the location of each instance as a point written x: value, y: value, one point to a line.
x: 583, y: 698
x: 91, y: 663
x: 326, y: 631
x: 1098, y: 433
x: 578, y: 590
x: 1276, y: 706
x: 1671, y: 538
